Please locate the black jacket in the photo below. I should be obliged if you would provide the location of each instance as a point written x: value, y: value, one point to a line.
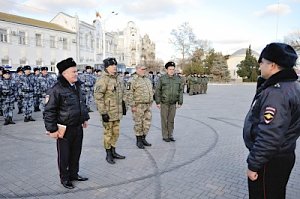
x: 65, y: 106
x: 272, y: 126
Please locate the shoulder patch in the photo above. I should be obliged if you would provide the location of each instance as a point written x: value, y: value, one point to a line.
x: 269, y: 114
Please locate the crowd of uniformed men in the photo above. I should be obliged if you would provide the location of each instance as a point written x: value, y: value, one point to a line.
x: 28, y: 90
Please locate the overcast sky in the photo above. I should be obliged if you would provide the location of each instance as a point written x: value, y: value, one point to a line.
x: 228, y: 24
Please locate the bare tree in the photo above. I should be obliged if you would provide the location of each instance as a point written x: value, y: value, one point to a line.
x: 184, y: 40
x: 293, y: 39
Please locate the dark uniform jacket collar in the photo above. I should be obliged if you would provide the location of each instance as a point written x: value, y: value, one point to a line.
x: 285, y: 75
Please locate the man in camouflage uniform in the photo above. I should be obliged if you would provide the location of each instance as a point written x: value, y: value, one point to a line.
x: 37, y: 94
x: 45, y: 82
x: 108, y: 96
x: 204, y: 83
x: 27, y: 89
x: 169, y: 97
x: 88, y: 81
x: 17, y: 79
x: 7, y: 96
x: 139, y: 94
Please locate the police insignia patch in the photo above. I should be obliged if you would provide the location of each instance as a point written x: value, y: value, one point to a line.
x: 269, y: 114
x: 47, y: 99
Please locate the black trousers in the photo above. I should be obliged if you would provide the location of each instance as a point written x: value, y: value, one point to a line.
x: 69, y: 150
x: 272, y: 178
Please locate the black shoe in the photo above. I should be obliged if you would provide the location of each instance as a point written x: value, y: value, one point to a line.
x: 31, y: 119
x: 109, y: 157
x: 1, y: 113
x: 78, y: 178
x: 26, y: 119
x: 166, y: 139
x: 20, y: 111
x: 139, y: 142
x: 145, y: 143
x: 67, y: 184
x: 6, y: 122
x: 172, y: 139
x: 115, y: 154
x: 10, y: 120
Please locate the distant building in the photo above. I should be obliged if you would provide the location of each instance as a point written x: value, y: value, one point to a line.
x: 25, y: 41
x: 235, y: 59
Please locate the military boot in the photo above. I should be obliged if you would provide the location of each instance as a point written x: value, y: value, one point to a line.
x: 145, y: 143
x: 26, y: 119
x: 1, y: 113
x: 11, y: 121
x: 30, y: 118
x: 115, y: 154
x: 20, y: 111
x: 6, y: 121
x: 109, y: 157
x: 139, y: 142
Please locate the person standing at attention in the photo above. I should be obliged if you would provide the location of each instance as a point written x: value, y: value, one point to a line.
x: 108, y: 94
x: 272, y: 125
x: 64, y: 105
x: 168, y: 97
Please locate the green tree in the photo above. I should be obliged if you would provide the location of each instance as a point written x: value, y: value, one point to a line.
x: 219, y: 69
x: 248, y: 68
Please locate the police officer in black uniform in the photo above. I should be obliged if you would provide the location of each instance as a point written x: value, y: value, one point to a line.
x: 64, y: 104
x: 272, y: 126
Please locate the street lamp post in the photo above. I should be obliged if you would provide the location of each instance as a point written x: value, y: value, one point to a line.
x: 113, y: 13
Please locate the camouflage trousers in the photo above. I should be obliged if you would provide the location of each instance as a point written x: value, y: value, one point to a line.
x: 36, y: 101
x: 111, y: 133
x: 88, y: 98
x: 142, y: 119
x: 20, y: 103
x: 28, y: 105
x: 7, y: 108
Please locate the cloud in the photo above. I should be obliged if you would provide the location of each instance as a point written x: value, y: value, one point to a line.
x: 274, y: 9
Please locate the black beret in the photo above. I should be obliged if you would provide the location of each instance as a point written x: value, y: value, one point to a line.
x: 19, y: 69
x: 109, y: 61
x: 282, y: 54
x: 5, y: 71
x: 44, y: 68
x: 27, y: 67
x: 170, y: 63
x: 36, y: 69
x: 88, y: 67
x: 65, y: 64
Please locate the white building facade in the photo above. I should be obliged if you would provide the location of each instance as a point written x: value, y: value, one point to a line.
x: 25, y: 41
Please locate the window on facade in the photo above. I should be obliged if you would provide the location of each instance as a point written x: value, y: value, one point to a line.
x: 38, y: 39
x: 86, y: 40
x: 5, y: 62
x: 39, y: 62
x: 52, y: 41
x: 22, y: 62
x: 92, y: 43
x: 3, y: 35
x: 65, y: 43
x: 22, y: 38
x: 81, y: 39
x: 97, y: 44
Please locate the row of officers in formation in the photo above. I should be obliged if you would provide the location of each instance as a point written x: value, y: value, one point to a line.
x: 29, y: 89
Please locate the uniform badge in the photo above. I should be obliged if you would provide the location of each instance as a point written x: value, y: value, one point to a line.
x: 269, y: 114
x: 47, y: 99
x: 128, y: 86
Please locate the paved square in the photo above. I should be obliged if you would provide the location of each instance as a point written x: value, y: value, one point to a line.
x: 208, y: 159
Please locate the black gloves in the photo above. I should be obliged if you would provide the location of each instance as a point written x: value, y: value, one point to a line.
x: 105, y: 118
x: 124, y: 108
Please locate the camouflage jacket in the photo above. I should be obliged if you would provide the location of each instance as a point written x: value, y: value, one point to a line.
x: 139, y: 90
x: 8, y: 89
x: 108, y: 94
